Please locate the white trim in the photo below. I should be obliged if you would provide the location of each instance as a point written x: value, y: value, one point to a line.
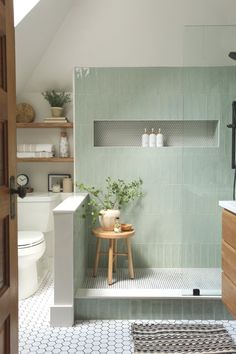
x: 62, y: 316
x: 145, y: 294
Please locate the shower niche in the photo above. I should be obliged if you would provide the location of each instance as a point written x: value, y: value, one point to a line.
x: 184, y: 133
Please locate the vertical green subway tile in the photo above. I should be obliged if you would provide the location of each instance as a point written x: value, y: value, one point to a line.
x: 197, y: 307
x: 187, y: 310
x: 196, y: 256
x: 146, y: 309
x: 156, y: 309
x: 104, y: 309
x: 218, y: 255
x: 219, y: 310
x: 176, y: 181
x: 116, y: 312
x: 135, y: 309
x: 208, y: 309
x: 177, y: 307
x: 167, y: 309
x: 171, y: 107
x: 214, y: 109
x: 195, y: 107
x: 125, y: 309
x: 205, y: 254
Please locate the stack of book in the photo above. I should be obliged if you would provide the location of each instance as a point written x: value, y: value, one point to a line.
x: 56, y: 120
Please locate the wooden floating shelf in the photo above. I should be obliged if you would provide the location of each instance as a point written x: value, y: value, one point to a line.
x: 44, y: 125
x: 45, y: 159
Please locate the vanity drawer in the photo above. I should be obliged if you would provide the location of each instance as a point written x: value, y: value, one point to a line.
x: 229, y: 228
x: 229, y: 261
x: 229, y: 294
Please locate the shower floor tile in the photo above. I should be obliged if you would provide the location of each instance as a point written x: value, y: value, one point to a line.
x: 92, y: 337
x: 157, y: 278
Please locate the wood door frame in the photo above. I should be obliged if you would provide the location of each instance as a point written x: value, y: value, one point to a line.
x: 9, y: 292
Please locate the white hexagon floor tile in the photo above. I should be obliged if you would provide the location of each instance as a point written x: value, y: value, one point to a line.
x: 92, y: 337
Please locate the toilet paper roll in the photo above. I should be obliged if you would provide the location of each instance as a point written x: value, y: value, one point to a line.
x: 67, y: 185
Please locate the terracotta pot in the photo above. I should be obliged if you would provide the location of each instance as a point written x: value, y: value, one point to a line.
x: 57, y: 111
x: 107, y: 218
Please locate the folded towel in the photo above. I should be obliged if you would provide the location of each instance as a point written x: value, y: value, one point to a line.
x: 35, y: 147
x: 34, y: 154
x: 45, y: 147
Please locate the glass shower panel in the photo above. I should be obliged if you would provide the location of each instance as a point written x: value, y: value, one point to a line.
x: 209, y: 87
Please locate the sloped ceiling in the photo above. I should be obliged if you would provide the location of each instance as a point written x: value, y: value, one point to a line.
x: 60, y: 34
x: 34, y: 34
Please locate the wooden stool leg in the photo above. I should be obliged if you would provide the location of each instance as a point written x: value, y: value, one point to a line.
x: 110, y: 261
x: 130, y: 260
x: 115, y: 256
x: 98, y: 246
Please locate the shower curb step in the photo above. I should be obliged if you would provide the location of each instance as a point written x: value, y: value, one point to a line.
x: 146, y: 294
x: 133, y: 308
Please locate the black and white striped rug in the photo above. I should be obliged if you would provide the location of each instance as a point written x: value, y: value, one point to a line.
x: 182, y: 338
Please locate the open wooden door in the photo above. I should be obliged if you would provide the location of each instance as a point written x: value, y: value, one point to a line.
x: 8, y: 227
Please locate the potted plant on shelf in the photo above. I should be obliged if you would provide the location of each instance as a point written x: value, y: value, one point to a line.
x: 106, y: 204
x: 57, y: 100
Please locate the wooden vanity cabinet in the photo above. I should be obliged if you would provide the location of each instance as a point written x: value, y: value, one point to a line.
x: 229, y: 261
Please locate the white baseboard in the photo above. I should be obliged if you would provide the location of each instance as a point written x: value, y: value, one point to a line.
x: 61, y: 316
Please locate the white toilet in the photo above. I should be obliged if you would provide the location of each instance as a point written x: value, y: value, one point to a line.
x: 34, y: 220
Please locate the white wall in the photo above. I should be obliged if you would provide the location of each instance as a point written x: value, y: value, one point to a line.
x: 120, y: 33
x: 58, y: 35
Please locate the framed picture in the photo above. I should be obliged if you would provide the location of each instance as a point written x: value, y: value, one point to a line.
x: 56, y: 179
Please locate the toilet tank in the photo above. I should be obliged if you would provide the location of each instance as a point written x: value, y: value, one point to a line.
x: 35, y: 211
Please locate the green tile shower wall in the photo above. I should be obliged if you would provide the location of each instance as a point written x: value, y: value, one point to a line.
x: 178, y: 220
x: 80, y: 247
x: 156, y: 309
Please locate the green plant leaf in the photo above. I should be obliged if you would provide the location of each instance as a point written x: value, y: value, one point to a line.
x: 116, y: 194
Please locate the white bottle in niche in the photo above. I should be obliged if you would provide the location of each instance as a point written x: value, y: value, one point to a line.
x: 159, y: 139
x: 152, y: 139
x: 145, y: 138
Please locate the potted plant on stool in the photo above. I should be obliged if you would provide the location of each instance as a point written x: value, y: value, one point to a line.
x: 106, y: 205
x: 57, y: 100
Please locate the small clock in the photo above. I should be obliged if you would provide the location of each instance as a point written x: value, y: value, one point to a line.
x: 22, y: 180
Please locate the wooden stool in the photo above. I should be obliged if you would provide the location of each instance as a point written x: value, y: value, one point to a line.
x: 112, y: 250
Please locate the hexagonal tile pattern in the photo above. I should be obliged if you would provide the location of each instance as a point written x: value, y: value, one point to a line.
x: 92, y: 337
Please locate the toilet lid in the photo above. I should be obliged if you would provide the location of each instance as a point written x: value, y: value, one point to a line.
x: 29, y: 238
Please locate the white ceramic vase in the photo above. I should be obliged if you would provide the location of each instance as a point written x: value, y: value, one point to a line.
x: 107, y: 218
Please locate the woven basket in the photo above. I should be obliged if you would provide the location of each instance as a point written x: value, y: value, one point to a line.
x: 24, y: 113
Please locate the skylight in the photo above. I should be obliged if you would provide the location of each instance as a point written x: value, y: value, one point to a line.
x: 22, y: 8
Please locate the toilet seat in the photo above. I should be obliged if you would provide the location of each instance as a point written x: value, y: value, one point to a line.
x: 28, y: 239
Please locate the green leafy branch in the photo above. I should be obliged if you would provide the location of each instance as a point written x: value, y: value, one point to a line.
x: 117, y: 194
